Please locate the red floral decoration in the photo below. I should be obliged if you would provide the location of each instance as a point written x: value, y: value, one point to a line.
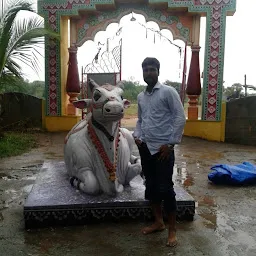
x: 111, y: 167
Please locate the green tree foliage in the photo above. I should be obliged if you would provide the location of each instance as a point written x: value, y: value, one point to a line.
x: 233, y: 92
x: 36, y: 88
x: 20, y: 39
x: 175, y: 85
x: 131, y: 90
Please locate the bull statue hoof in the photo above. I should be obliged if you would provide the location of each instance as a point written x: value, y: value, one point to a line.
x: 98, y: 152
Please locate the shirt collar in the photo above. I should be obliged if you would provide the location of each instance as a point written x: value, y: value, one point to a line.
x: 157, y: 86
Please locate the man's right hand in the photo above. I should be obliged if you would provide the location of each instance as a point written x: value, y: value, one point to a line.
x: 137, y: 141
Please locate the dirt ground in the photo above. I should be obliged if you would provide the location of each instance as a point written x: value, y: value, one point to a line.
x: 129, y: 122
x: 224, y: 223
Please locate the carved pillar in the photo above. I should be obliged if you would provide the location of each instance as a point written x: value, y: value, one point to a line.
x: 73, y: 83
x: 194, y: 84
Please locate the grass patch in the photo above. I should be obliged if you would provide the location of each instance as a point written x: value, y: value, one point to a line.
x: 131, y: 111
x: 13, y: 144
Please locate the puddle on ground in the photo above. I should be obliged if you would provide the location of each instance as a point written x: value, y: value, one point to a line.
x: 27, y: 188
x: 3, y: 175
x: 36, y: 166
x: 187, y: 156
x: 11, y: 191
x: 20, y: 172
x: 207, y: 201
x: 208, y: 211
x: 210, y: 220
x: 28, y: 177
x: 53, y: 155
x: 1, y: 217
x: 211, y: 155
x: 15, y: 177
x: 6, y: 177
x: 13, y: 194
x: 181, y: 176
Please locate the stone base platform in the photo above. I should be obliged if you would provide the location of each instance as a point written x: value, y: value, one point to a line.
x: 53, y: 201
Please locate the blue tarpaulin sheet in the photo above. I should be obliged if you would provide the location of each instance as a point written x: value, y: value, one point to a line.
x: 240, y: 174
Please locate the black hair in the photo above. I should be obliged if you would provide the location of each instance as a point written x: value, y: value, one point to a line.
x: 151, y: 61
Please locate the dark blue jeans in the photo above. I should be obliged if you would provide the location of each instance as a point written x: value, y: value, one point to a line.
x: 158, y: 175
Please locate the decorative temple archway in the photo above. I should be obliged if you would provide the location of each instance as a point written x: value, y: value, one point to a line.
x: 182, y: 17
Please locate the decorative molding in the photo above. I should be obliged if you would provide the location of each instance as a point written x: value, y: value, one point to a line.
x: 53, y: 217
x: 215, y: 10
x: 89, y: 26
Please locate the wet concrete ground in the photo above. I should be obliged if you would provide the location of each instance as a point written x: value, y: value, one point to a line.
x: 224, y: 223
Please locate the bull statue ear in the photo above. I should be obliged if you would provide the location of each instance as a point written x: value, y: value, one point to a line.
x: 120, y: 84
x: 92, y: 84
x: 82, y: 104
x: 127, y: 103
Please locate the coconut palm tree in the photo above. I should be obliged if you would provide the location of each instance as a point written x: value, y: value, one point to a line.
x: 20, y: 38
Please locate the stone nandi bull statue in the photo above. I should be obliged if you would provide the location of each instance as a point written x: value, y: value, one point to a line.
x: 97, y: 151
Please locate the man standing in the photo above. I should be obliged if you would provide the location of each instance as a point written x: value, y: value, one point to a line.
x: 160, y: 125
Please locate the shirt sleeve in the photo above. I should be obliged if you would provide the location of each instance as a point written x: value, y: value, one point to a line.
x: 137, y: 131
x: 179, y: 118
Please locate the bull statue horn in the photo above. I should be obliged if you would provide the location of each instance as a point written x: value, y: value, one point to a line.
x: 92, y: 84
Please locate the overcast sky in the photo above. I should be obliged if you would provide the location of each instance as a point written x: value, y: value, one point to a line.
x: 240, y: 53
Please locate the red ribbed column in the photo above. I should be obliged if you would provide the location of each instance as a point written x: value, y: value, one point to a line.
x: 194, y: 84
x: 73, y: 83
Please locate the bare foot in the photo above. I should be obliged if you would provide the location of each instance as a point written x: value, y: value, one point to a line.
x: 157, y: 226
x: 172, y: 240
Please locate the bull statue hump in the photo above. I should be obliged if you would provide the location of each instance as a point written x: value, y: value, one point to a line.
x: 98, y: 152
